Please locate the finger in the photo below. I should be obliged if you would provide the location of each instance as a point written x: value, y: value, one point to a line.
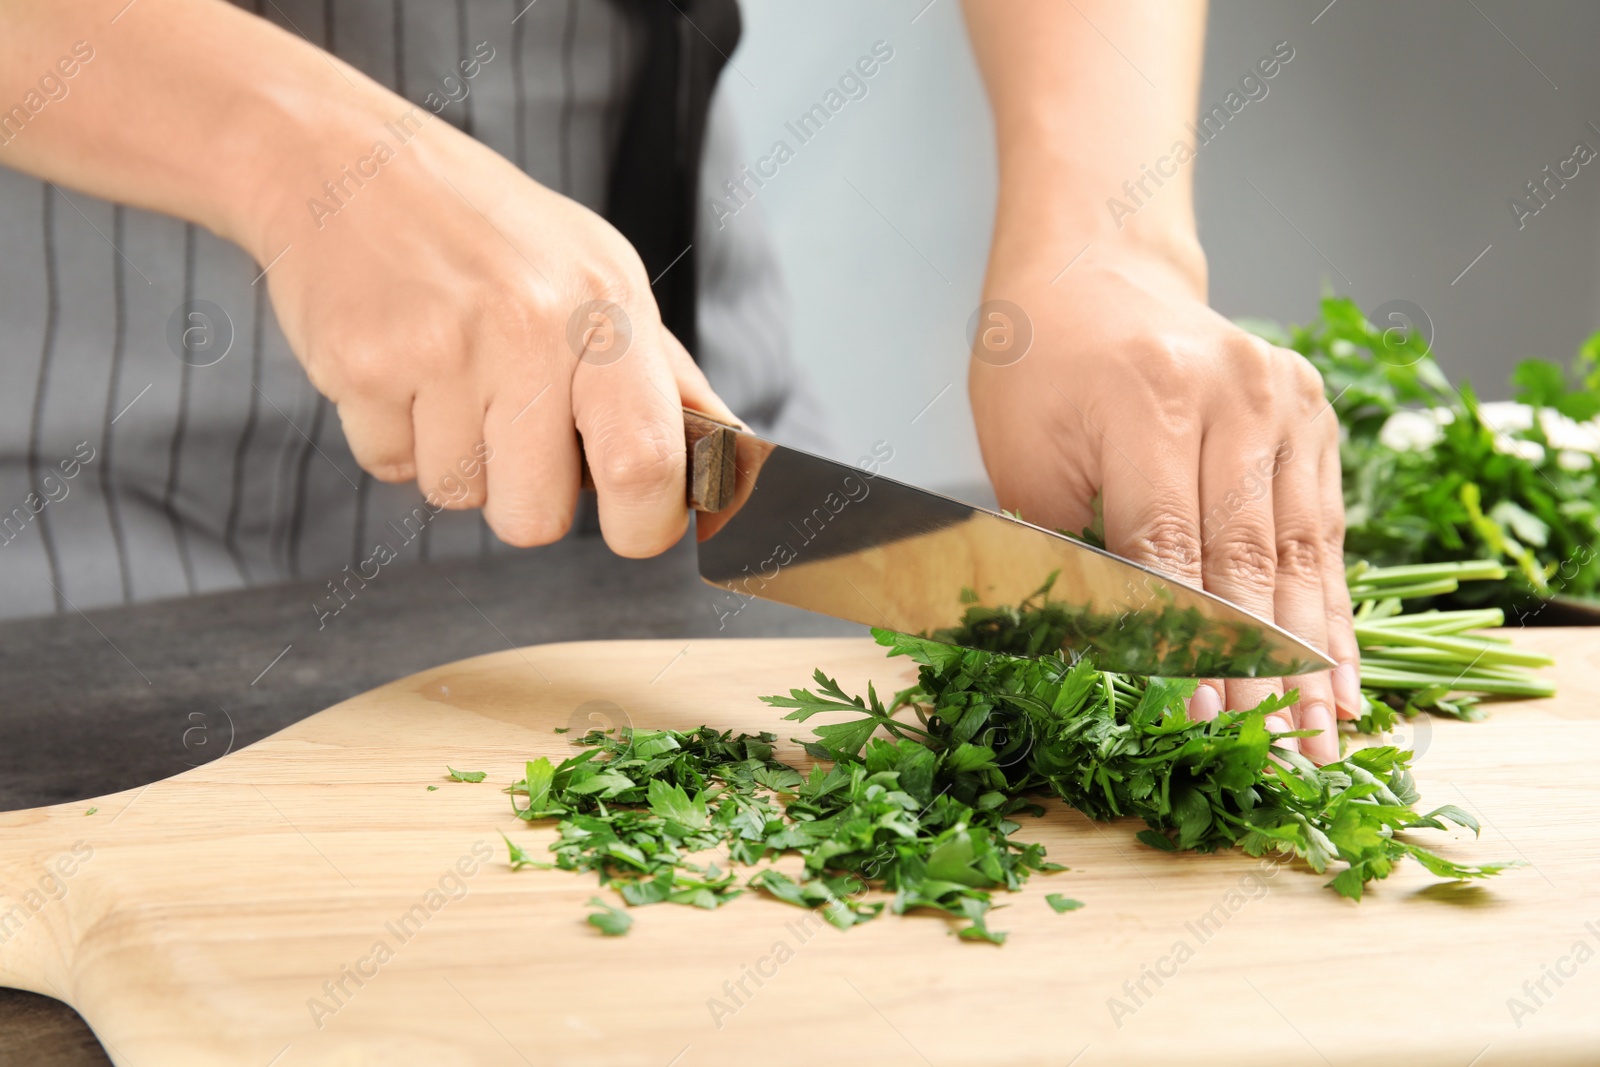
x: 448, y: 423
x: 1206, y: 704
x: 532, y: 462
x: 1298, y: 596
x: 1341, y: 630
x: 1059, y: 492
x: 1238, y: 558
x: 380, y: 438
x: 1149, y: 502
x: 631, y: 420
x: 694, y: 391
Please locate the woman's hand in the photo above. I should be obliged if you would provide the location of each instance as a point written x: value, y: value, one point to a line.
x: 1214, y: 453
x: 470, y: 324
x: 451, y: 307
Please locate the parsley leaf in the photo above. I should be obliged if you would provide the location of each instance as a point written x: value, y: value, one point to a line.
x: 613, y: 922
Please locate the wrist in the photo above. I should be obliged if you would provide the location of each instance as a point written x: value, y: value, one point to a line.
x: 297, y: 143
x: 1169, y: 261
x: 1056, y: 201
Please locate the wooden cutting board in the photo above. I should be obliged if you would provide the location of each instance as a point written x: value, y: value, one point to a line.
x: 309, y: 901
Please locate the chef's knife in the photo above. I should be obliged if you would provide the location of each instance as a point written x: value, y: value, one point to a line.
x: 780, y: 524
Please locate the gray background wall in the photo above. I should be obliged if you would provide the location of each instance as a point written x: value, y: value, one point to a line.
x: 1387, y: 148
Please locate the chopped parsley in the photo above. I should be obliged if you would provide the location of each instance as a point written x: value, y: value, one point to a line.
x: 914, y: 802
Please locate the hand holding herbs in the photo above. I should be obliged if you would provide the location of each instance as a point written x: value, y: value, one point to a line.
x: 1203, y: 445
x: 915, y: 803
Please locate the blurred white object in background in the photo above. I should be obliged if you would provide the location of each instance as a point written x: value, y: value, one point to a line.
x: 1576, y: 443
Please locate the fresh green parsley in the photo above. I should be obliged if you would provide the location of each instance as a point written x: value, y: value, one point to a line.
x: 610, y: 921
x: 1515, y: 492
x: 915, y: 801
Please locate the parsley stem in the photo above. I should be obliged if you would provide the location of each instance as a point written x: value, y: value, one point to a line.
x: 1464, y: 571
x: 1480, y: 650
x: 1412, y: 591
x: 1384, y: 678
x: 1445, y: 622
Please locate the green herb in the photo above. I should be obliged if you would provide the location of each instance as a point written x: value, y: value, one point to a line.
x: 924, y: 807
x: 1428, y: 661
x: 520, y: 858
x: 466, y: 776
x: 1115, y: 746
x: 1060, y: 903
x: 91, y: 811
x: 608, y: 920
x: 1183, y: 641
x: 1521, y: 495
x: 638, y: 809
x: 433, y: 789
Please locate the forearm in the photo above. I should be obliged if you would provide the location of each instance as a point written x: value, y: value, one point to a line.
x: 189, y: 107
x: 1076, y: 119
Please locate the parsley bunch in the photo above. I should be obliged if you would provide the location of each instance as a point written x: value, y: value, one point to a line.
x: 1112, y: 745
x: 1517, y: 493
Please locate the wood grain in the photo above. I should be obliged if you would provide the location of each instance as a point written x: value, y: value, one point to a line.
x: 205, y: 913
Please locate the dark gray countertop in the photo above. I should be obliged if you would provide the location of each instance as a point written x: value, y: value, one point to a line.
x: 115, y: 699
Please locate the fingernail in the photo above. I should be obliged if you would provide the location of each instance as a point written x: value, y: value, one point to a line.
x: 1347, y: 689
x: 1318, y: 717
x: 1205, y: 704
x: 1278, y: 724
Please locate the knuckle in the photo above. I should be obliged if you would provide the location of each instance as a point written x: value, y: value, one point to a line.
x: 1306, y: 377
x: 1333, y: 540
x: 454, y: 497
x: 1333, y: 537
x: 1246, y: 560
x: 1327, y: 437
x: 355, y: 368
x: 1156, y: 360
x: 430, y: 344
x: 613, y: 287
x: 641, y: 467
x: 1252, y: 374
x: 392, y: 473
x: 530, y: 529
x: 1249, y: 355
x: 1155, y: 370
x: 535, y: 303
x: 630, y: 544
x: 1170, y: 543
x: 1299, y: 556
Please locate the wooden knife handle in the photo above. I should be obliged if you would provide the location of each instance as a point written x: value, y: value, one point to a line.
x: 710, y: 446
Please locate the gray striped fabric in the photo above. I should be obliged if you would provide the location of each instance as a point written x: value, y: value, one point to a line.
x: 128, y: 474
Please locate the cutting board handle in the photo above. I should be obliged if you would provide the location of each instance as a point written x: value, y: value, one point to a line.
x: 710, y: 446
x: 39, y: 866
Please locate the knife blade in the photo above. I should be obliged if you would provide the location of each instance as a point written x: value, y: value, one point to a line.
x: 849, y: 542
